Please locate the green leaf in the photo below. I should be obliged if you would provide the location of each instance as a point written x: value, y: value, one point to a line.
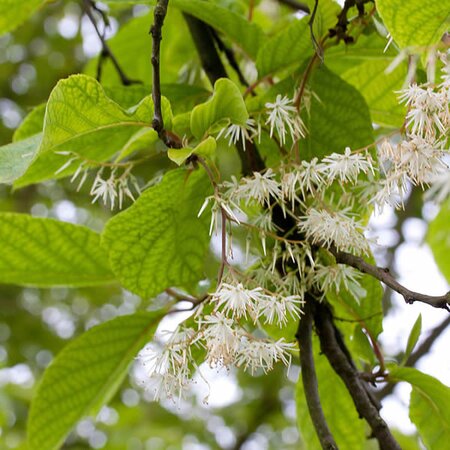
x: 338, y: 118
x: 412, y: 24
x: 85, y: 375
x: 325, y: 18
x: 338, y: 407
x: 429, y: 406
x: 14, y: 12
x: 46, y: 252
x: 247, y: 35
x: 279, y: 53
x: 31, y: 125
x: 378, y: 89
x: 82, y: 120
x: 368, y: 311
x: 206, y: 149
x: 159, y: 241
x: 226, y: 103
x: 413, y: 337
x: 16, y: 157
x: 439, y: 239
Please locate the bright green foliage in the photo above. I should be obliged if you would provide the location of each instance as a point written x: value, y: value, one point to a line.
x: 347, y: 428
x: 16, y: 157
x: 82, y: 120
x: 85, y: 376
x: 413, y: 337
x: 206, y: 149
x: 32, y: 124
x: 439, y: 239
x: 279, y: 53
x: 325, y: 18
x: 246, y: 35
x: 338, y: 118
x: 46, y: 252
x: 225, y: 104
x: 378, y: 89
x: 159, y: 242
x: 429, y: 409
x: 414, y: 23
x: 14, y: 12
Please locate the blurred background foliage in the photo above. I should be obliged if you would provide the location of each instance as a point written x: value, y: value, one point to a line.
x: 252, y: 412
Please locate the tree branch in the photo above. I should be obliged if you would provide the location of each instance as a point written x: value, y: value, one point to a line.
x: 295, y: 5
x: 212, y: 65
x: 384, y: 275
x: 331, y: 345
x: 309, y: 378
x: 89, y: 6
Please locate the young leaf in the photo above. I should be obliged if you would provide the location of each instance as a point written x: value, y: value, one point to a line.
x: 85, y: 375
x: 413, y: 337
x: 410, y: 24
x: 46, y: 252
x: 81, y: 119
x: 439, y: 239
x: 429, y: 406
x: 225, y: 103
x: 14, y: 12
x: 16, y: 157
x: 159, y: 241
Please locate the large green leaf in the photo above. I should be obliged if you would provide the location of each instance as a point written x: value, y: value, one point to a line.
x: 46, y: 252
x: 226, y: 103
x: 429, y: 407
x: 16, y: 157
x: 85, y: 376
x: 439, y: 239
x: 414, y: 23
x: 81, y: 119
x: 14, y: 12
x: 279, y: 52
x: 159, y: 241
x: 338, y: 407
x: 338, y: 118
x: 32, y: 124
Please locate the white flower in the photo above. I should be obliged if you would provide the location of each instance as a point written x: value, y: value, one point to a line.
x: 284, y: 118
x: 104, y: 189
x: 345, y: 167
x: 337, y: 276
x: 262, y: 187
x: 237, y: 299
x: 336, y: 228
x: 440, y: 186
x: 310, y: 176
x: 235, y: 133
x: 221, y: 339
x: 257, y: 354
x: 278, y: 308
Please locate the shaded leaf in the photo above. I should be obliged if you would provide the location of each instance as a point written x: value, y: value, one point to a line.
x: 31, y: 125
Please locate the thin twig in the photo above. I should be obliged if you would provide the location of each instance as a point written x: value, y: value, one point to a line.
x: 89, y: 6
x: 384, y: 275
x: 317, y: 46
x: 420, y: 351
x: 331, y: 345
x: 309, y: 378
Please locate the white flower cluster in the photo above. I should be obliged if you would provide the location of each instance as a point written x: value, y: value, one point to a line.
x: 227, y: 342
